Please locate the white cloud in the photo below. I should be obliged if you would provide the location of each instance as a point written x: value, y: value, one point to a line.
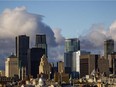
x: 19, y: 21
x: 94, y: 40
x: 59, y: 38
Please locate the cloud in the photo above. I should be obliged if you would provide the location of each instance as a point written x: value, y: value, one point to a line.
x: 19, y: 21
x: 59, y: 38
x: 94, y: 39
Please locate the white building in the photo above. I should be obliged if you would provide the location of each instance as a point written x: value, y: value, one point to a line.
x: 76, y: 60
x: 11, y: 66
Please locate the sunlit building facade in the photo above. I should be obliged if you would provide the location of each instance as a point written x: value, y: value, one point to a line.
x: 11, y: 66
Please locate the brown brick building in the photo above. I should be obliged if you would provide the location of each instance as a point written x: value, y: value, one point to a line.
x: 88, y: 63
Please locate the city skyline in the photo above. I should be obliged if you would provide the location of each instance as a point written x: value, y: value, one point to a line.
x: 91, y: 21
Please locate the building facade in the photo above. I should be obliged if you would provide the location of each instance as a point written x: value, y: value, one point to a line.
x: 108, y: 47
x: 103, y: 66
x: 22, y: 46
x: 2, y: 73
x: 34, y: 56
x: 112, y: 63
x: 44, y: 67
x: 11, y: 66
x: 71, y: 45
x: 60, y: 66
x: 88, y: 64
x: 41, y: 42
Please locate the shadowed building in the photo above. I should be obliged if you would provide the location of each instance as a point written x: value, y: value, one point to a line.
x: 103, y: 66
x: 34, y: 56
x: 41, y: 42
x: 22, y: 46
x: 112, y: 63
x: 108, y: 47
x: 2, y: 73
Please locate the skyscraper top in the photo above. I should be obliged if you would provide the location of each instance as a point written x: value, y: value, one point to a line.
x: 72, y: 45
x: 108, y: 47
x: 40, y: 39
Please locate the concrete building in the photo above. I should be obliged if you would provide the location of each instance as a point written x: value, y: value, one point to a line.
x: 108, y: 47
x: 41, y: 42
x: 34, y: 57
x: 103, y: 66
x: 22, y: 46
x: 76, y: 63
x: 88, y: 64
x: 11, y: 66
x: 60, y: 66
x: 44, y: 67
x: 112, y: 63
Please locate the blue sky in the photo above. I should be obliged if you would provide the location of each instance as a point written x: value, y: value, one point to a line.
x: 74, y: 18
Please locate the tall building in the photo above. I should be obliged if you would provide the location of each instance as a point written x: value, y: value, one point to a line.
x: 60, y: 66
x: 108, y: 47
x: 44, y: 67
x: 11, y: 66
x: 71, y: 45
x: 68, y: 59
x: 112, y: 63
x: 41, y: 42
x: 34, y: 56
x: 76, y: 63
x: 88, y: 64
x: 22, y: 46
x: 103, y: 66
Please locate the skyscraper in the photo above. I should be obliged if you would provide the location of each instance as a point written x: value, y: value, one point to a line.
x: 41, y: 42
x: 11, y: 66
x: 71, y: 45
x: 108, y: 47
x: 44, y: 67
x: 22, y: 46
x: 60, y: 66
x: 88, y: 64
x: 34, y: 56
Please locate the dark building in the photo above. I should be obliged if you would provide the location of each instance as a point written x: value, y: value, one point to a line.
x: 68, y: 59
x: 112, y: 63
x: 108, y: 47
x: 88, y: 64
x: 22, y: 46
x: 41, y: 42
x: 34, y: 55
